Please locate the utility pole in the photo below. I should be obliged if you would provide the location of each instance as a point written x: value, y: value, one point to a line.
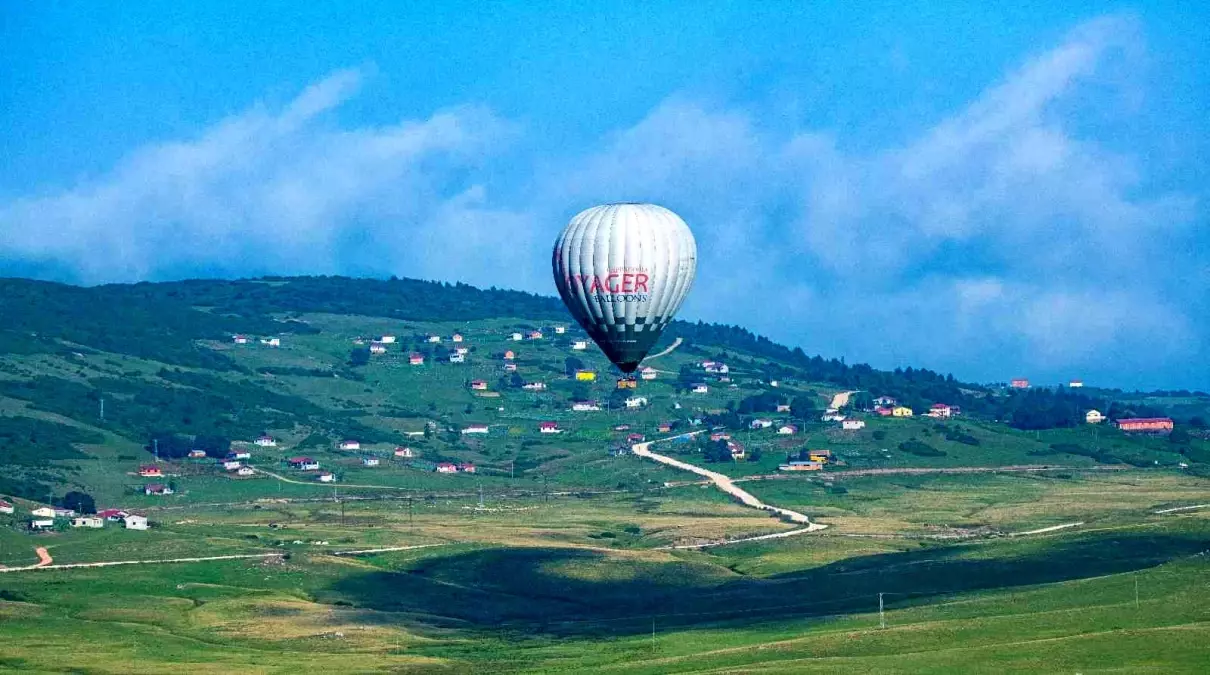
x: 1136, y: 590
x: 409, y: 512
x: 481, y: 495
x: 156, y: 443
x: 511, y: 464
x: 881, y: 614
x: 102, y: 409
x: 545, y: 496
x: 653, y: 635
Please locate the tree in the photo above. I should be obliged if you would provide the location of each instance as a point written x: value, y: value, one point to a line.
x: 755, y: 455
x: 80, y: 502
x: 571, y: 364
x: 717, y: 451
x: 215, y: 447
x: 359, y: 357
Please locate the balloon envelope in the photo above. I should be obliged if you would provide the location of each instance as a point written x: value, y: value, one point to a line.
x: 623, y: 270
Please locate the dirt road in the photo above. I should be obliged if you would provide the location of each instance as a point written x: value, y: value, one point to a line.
x: 841, y: 399
x: 676, y: 343
x: 725, y: 484
x: 853, y: 473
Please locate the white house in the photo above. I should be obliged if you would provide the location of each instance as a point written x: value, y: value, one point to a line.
x: 832, y: 417
x: 534, y: 335
x: 787, y: 430
x: 6, y: 507
x: 885, y: 401
x: 559, y: 330
x: 1076, y: 384
x: 157, y: 489
x: 135, y: 522
x: 435, y: 339
x: 416, y: 359
x: 240, y: 339
x: 760, y: 424
x: 370, y: 461
x: 326, y: 477
x: 266, y: 442
x: 852, y: 425
x: 88, y: 521
x: 516, y: 337
x: 378, y: 349
x: 271, y: 342
x: 239, y: 454
x: 1094, y: 417
x: 648, y: 373
x: 510, y: 367
x: 636, y: 402
x: 479, y: 385
x: 245, y: 471
x: 534, y: 386
x: 231, y: 465
x: 940, y: 410
x: 475, y: 429
x: 41, y: 524
x: 447, y: 467
x: 404, y: 452
x: 783, y: 407
x: 579, y: 345
x: 462, y: 351
x: 585, y: 406
x: 549, y: 428
x: 457, y: 337
x: 350, y: 445
x: 387, y: 339
x: 457, y: 358
x: 43, y: 512
x: 700, y: 389
x: 303, y: 463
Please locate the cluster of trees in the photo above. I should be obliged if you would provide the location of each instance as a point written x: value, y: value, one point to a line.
x: 169, y: 445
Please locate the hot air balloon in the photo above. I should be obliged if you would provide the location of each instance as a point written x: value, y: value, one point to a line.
x: 623, y: 271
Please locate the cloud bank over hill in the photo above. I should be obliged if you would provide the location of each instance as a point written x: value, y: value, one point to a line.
x: 1006, y: 239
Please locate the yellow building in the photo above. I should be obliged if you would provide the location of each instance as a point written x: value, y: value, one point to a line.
x: 901, y: 411
x: 627, y: 383
x: 821, y: 456
x: 585, y: 375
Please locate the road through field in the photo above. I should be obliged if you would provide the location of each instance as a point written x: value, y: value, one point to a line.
x: 725, y: 484
x: 676, y: 343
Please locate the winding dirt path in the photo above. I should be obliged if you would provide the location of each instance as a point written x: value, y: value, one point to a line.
x: 841, y: 399
x: 46, y: 564
x: 672, y: 347
x: 725, y: 484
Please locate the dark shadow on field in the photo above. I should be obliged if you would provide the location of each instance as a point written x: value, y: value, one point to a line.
x: 560, y: 592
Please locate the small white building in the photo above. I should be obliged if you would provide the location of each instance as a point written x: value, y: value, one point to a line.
x: 579, y: 345
x: 6, y: 507
x: 585, y: 406
x: 350, y: 445
x: 549, y: 428
x: 534, y: 386
x: 648, y: 373
x: 239, y: 339
x: 701, y: 389
x: 387, y: 339
x: 41, y: 524
x: 88, y: 521
x: 479, y: 385
x: 462, y: 351
x: 636, y: 402
x: 266, y: 442
x: 271, y: 342
x: 852, y: 425
x: 475, y: 429
x: 559, y: 330
x: 404, y: 452
x: 535, y: 335
x: 326, y: 477
x: 370, y: 461
x: 1094, y: 417
x: 516, y: 337
x: 457, y: 358
x: 135, y: 522
x: 416, y: 359
x: 239, y: 454
x: 457, y: 337
x: 787, y: 430
x: 434, y: 339
x: 245, y: 471
x: 760, y: 424
x: 43, y: 512
x: 378, y: 349
x: 230, y: 464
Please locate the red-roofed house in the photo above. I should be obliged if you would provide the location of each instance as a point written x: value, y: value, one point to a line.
x: 883, y: 411
x: 197, y: 454
x: 156, y: 489
x: 303, y: 463
x: 1019, y: 383
x: 350, y: 445
x: 635, y: 438
x: 1152, y: 424
x: 6, y: 507
x: 466, y: 467
x: 404, y: 452
x: 416, y: 359
x: 549, y: 428
x: 150, y: 471
x: 112, y: 514
x: 509, y: 355
x: 447, y: 467
x: 266, y: 442
x: 479, y: 385
x: 787, y: 430
x: 940, y: 410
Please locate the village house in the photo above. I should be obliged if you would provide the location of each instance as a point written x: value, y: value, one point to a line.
x: 720, y: 436
x: 434, y: 339
x: 387, y: 339
x: 271, y: 342
x: 510, y: 367
x: 462, y: 351
x: 479, y: 385
x: 245, y: 471
x: 534, y: 386
x: 326, y: 477
x: 61, y: 512
x: 717, y: 368
x: 1019, y: 383
x: 197, y: 454
x: 585, y: 376
x: 700, y: 388
x: 158, y: 489
x: 509, y: 355
x: 664, y: 427
x: 475, y: 429
x: 787, y: 430
x: 760, y: 424
x: 112, y: 515
x: 852, y: 425
x: 303, y: 463
x: 885, y: 401
x: 636, y: 402
x: 832, y: 416
x: 150, y: 471
x: 6, y: 507
x: 266, y: 442
x: 230, y: 464
x: 516, y: 337
x: 239, y: 454
x: 350, y: 445
x: 378, y: 349
x: 579, y: 345
x: 648, y: 373
x: 559, y: 330
x: 1148, y: 424
x: 635, y: 438
x: 783, y: 408
x: 456, y: 337
x: 800, y: 465
x: 370, y: 461
x: 821, y: 456
x: 901, y: 411
x: 1076, y: 384
x: 1093, y: 416
x: 88, y: 521
x: 457, y: 358
x: 466, y: 467
x: 885, y: 412
x: 622, y: 427
x: 240, y: 339
x: 774, y: 383
x: 585, y: 406
x: 41, y: 524
x: 534, y: 335
x: 404, y: 452
x: 940, y: 410
x: 549, y: 428
x: 627, y: 383
x: 416, y: 359
x: 447, y: 467
x: 736, y: 449
x: 135, y: 522
x: 43, y: 512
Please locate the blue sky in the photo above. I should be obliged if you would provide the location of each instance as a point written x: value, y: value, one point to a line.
x: 995, y: 194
